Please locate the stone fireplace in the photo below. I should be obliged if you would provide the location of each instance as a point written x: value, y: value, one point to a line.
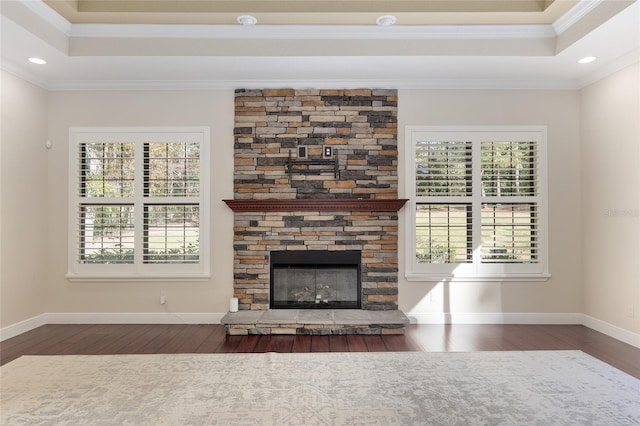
x: 315, y: 171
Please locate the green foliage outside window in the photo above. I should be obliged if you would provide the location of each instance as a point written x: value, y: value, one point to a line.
x: 170, y: 172
x: 444, y: 175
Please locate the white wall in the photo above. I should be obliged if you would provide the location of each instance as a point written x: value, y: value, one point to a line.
x: 610, y: 129
x: 23, y: 195
x: 556, y: 109
x: 610, y: 118
x: 559, y: 110
x: 145, y: 108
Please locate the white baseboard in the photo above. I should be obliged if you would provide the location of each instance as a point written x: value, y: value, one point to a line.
x: 611, y: 330
x: 134, y: 318
x: 493, y: 318
x: 415, y: 318
x: 109, y: 318
x: 22, y: 327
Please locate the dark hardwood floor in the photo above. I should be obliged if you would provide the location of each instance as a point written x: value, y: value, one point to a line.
x: 150, y: 339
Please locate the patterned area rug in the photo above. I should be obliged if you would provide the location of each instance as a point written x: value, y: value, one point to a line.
x: 402, y: 388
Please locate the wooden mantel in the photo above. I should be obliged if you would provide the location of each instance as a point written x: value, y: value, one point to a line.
x: 318, y: 204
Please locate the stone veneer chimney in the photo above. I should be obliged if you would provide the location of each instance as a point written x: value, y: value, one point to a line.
x: 282, y: 202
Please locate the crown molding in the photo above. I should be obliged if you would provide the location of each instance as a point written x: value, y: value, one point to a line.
x: 610, y: 68
x: 45, y: 12
x: 320, y: 32
x: 397, y: 83
x: 23, y: 74
x: 314, y: 32
x: 417, y: 84
x: 398, y: 33
x: 426, y: 84
x: 574, y: 15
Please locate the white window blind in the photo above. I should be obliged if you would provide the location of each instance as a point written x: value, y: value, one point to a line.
x: 443, y: 168
x: 140, y: 197
x: 509, y: 233
x: 443, y: 233
x: 478, y: 203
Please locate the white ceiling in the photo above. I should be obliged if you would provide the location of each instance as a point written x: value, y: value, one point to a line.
x: 134, y: 56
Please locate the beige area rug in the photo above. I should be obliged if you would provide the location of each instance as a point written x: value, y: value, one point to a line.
x: 403, y: 388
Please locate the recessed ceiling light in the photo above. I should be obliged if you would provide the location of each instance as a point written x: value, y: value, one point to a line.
x: 587, y: 60
x: 386, y: 20
x: 247, y: 20
x: 37, y: 61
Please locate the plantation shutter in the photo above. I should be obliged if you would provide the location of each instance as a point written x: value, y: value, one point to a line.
x: 139, y: 203
x: 509, y: 230
x: 443, y: 216
x: 479, y: 203
x: 106, y: 177
x: 443, y: 168
x: 509, y: 168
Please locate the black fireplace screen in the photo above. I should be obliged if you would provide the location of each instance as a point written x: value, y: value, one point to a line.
x: 315, y: 279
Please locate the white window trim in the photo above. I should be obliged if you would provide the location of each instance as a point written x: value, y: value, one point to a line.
x: 78, y: 272
x: 469, y: 272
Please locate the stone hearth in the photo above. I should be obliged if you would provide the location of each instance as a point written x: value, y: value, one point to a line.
x: 318, y: 322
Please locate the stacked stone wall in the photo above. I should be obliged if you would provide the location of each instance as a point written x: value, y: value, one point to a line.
x: 360, y: 126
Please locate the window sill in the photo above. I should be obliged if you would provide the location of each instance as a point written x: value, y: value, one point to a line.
x: 75, y: 277
x: 416, y: 277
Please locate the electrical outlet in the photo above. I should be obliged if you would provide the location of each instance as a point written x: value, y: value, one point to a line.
x: 632, y: 312
x: 327, y: 151
x: 302, y: 152
x: 163, y: 298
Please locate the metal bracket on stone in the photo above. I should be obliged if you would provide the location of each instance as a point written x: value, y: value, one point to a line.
x: 312, y: 167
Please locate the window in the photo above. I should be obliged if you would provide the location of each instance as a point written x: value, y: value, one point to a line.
x: 478, y: 207
x: 139, y: 202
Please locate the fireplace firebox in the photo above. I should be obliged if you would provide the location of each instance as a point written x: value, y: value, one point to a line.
x: 315, y: 279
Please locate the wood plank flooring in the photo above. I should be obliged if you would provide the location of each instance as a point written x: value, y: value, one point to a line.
x: 101, y: 339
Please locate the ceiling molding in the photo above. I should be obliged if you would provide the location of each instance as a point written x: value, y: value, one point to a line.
x: 575, y: 14
x: 313, y: 32
x: 594, y: 14
x: 291, y: 48
x: 130, y: 53
x: 434, y: 84
x: 44, y: 11
x: 23, y: 74
x: 612, y: 67
x: 310, y: 7
x: 312, y: 12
